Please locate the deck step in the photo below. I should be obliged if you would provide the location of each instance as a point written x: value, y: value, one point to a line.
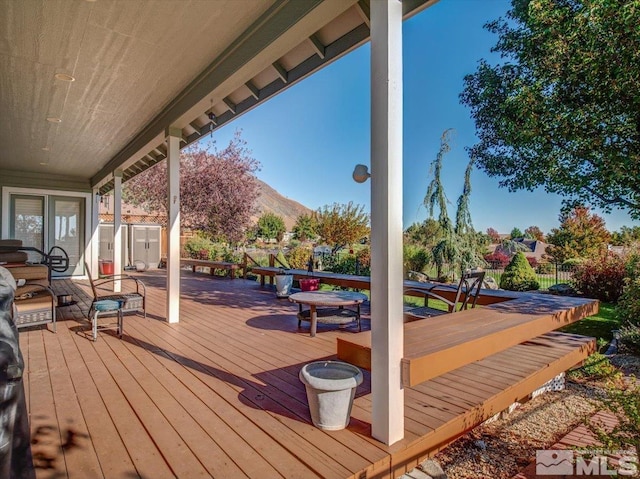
x: 462, y: 399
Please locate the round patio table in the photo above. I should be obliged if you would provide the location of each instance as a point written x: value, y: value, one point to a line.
x: 328, y: 307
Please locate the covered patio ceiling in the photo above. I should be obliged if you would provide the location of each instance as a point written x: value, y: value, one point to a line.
x: 140, y: 66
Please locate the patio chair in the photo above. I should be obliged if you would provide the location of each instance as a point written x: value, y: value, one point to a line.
x: 132, y: 299
x: 466, y: 297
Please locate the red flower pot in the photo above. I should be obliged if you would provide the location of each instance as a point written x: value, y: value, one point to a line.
x: 311, y: 284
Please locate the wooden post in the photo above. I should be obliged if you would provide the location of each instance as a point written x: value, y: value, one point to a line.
x: 244, y: 265
x: 173, y: 225
x: 117, y: 228
x: 272, y: 263
x: 95, y: 234
x: 386, y: 221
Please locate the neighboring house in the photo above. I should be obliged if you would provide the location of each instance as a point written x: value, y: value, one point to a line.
x: 535, y: 248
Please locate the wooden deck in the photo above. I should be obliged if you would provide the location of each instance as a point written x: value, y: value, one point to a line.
x: 218, y: 394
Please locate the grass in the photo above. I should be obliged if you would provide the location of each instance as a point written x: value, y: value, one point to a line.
x: 599, y: 325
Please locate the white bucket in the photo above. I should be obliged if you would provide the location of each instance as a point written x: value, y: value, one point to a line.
x: 331, y: 388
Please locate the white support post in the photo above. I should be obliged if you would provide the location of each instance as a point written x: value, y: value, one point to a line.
x: 173, y: 224
x: 95, y: 234
x: 386, y: 221
x: 117, y: 228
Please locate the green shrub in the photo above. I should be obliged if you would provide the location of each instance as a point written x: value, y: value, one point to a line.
x: 630, y: 338
x: 596, y: 366
x: 281, y: 261
x: 198, y: 246
x: 628, y: 307
x: 601, y: 278
x: 364, y: 261
x: 519, y: 275
x: 298, y: 258
x: 545, y: 268
x: 416, y: 258
x: 622, y: 399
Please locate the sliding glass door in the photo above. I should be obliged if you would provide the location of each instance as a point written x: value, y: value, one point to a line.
x: 27, y: 222
x: 44, y: 221
x: 66, y: 230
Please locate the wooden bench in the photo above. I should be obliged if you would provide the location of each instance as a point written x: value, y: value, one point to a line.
x: 230, y: 268
x: 441, y: 344
x: 414, y: 288
x: 326, y: 277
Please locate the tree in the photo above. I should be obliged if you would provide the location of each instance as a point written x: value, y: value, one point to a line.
x: 561, y: 109
x: 305, y: 227
x: 627, y: 236
x: 217, y: 189
x: 533, y: 232
x: 516, y: 233
x: 581, y: 235
x: 424, y: 234
x: 458, y: 245
x: 494, y: 235
x: 341, y: 224
x: 271, y: 226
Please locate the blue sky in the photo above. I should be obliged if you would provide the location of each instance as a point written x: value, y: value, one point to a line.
x: 309, y: 138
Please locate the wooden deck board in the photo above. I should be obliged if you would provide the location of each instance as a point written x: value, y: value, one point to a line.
x: 218, y: 394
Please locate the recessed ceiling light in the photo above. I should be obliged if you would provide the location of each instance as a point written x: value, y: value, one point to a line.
x: 43, y: 163
x: 54, y: 119
x: 64, y: 77
x: 45, y: 148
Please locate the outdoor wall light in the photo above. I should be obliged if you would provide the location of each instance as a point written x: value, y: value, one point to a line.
x: 361, y: 173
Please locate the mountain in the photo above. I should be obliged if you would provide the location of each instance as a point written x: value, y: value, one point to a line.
x: 270, y: 201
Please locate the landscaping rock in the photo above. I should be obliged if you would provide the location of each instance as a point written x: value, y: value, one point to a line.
x: 562, y: 290
x: 415, y: 276
x: 490, y: 283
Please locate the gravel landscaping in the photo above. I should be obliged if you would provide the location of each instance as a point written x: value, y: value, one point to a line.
x: 500, y: 449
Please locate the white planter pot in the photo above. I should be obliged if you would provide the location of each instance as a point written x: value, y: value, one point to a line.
x: 331, y: 387
x: 283, y: 285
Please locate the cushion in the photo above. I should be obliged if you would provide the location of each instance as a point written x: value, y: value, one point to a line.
x: 30, y: 272
x: 106, y: 305
x: 13, y: 257
x: 10, y: 242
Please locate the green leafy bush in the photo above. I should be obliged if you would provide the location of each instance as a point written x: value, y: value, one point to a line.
x: 416, y: 258
x: 519, y: 275
x: 622, y: 399
x: 545, y: 268
x: 628, y: 307
x: 601, y: 278
x: 364, y: 262
x: 596, y: 366
x: 298, y: 258
x: 630, y: 338
x: 200, y: 247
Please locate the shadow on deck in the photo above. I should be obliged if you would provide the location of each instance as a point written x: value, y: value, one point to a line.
x: 218, y: 394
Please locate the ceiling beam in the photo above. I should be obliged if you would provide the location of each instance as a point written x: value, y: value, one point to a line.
x: 317, y: 45
x: 230, y: 104
x: 363, y: 9
x: 255, y: 93
x: 281, y: 71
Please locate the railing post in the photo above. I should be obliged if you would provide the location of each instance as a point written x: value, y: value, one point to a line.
x: 556, y: 264
x: 272, y: 263
x: 244, y: 266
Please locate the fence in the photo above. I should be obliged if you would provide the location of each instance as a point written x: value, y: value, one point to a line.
x: 548, y: 274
